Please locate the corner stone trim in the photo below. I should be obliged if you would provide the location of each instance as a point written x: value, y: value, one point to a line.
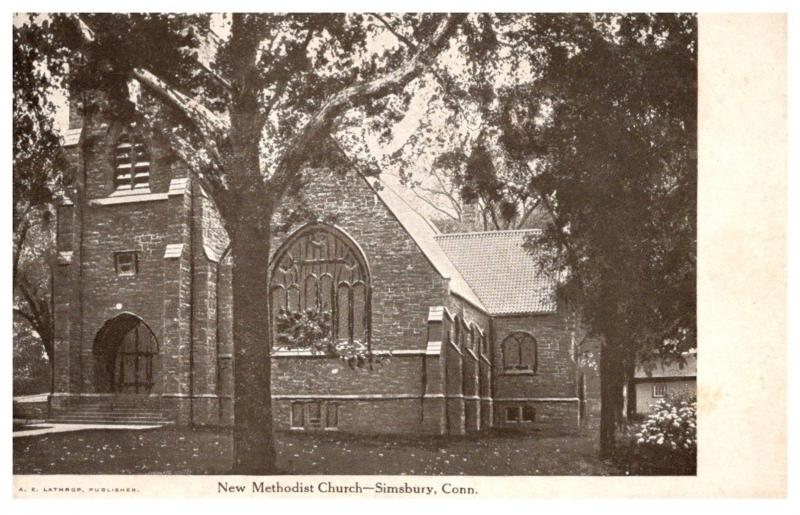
x: 437, y: 314
x: 173, y: 250
x: 178, y: 186
x: 65, y: 257
x: 434, y: 348
x: 211, y: 254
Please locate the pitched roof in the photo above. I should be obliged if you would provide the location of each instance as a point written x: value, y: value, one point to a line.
x: 418, y: 227
x: 671, y: 370
x: 424, y: 233
x: 504, y: 275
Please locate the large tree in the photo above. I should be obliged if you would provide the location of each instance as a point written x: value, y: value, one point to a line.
x: 38, y: 166
x: 608, y: 136
x: 521, y: 110
x: 247, y: 111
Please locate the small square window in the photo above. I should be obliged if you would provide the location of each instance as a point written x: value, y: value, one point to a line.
x: 512, y: 414
x: 528, y: 413
x: 660, y: 390
x: 126, y: 263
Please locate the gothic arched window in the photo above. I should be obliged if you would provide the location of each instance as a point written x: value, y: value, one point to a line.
x: 131, y: 163
x: 473, y: 338
x: 319, y: 274
x: 520, y: 352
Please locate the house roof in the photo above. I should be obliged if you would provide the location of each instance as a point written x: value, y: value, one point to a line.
x: 671, y: 370
x: 504, y: 275
x: 424, y: 233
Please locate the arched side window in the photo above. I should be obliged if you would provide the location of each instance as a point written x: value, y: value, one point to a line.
x: 520, y: 352
x: 320, y: 274
x: 131, y: 163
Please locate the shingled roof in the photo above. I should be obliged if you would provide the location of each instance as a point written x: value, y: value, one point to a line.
x: 504, y: 275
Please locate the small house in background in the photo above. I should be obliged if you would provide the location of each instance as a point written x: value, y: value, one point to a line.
x: 665, y: 380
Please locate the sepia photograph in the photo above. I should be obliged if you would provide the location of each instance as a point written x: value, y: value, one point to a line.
x: 355, y: 244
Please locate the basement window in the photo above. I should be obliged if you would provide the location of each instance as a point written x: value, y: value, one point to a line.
x: 314, y: 416
x: 512, y: 414
x: 297, y: 416
x: 332, y: 416
x: 126, y: 263
x: 520, y: 414
x: 528, y: 414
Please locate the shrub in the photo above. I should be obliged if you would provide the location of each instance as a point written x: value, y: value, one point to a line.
x: 311, y: 330
x: 665, y: 443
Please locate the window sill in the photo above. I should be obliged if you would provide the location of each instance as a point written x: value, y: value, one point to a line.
x: 129, y: 196
x: 518, y: 372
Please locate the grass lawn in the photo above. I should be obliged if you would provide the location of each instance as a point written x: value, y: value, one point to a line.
x: 184, y: 451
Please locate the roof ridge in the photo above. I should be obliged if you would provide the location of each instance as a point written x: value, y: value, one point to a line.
x: 485, y: 233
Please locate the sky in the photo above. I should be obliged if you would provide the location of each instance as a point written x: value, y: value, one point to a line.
x: 402, y: 130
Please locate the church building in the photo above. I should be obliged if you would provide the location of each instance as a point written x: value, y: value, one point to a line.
x: 469, y: 333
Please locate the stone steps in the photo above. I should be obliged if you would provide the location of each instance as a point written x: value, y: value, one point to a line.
x: 110, y: 411
x: 78, y: 417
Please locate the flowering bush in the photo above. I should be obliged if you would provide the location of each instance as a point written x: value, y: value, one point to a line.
x: 665, y: 442
x: 671, y: 426
x: 311, y: 330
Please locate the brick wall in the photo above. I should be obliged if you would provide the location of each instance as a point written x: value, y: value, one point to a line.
x: 404, y: 284
x: 552, y: 389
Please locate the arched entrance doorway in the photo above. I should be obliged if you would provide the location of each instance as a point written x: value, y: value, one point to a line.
x: 125, y: 352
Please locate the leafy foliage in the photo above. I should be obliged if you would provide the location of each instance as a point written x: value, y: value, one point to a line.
x: 665, y: 442
x: 31, y: 365
x: 619, y: 175
x: 311, y: 330
x: 39, y: 171
x: 591, y: 117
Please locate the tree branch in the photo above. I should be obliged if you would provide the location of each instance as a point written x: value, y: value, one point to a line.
x: 206, y: 121
x: 280, y: 88
x: 437, y: 208
x: 319, y: 124
x: 526, y: 213
x: 27, y: 316
x: 448, y: 192
x: 20, y: 236
x: 208, y: 173
x: 410, y: 44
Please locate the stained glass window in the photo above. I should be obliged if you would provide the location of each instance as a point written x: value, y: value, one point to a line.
x: 320, y: 272
x: 519, y: 352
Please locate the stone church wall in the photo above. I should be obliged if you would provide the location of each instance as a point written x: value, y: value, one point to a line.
x: 427, y: 381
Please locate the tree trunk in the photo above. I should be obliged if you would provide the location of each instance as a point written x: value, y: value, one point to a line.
x: 630, y: 389
x: 254, y: 448
x: 612, y: 380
